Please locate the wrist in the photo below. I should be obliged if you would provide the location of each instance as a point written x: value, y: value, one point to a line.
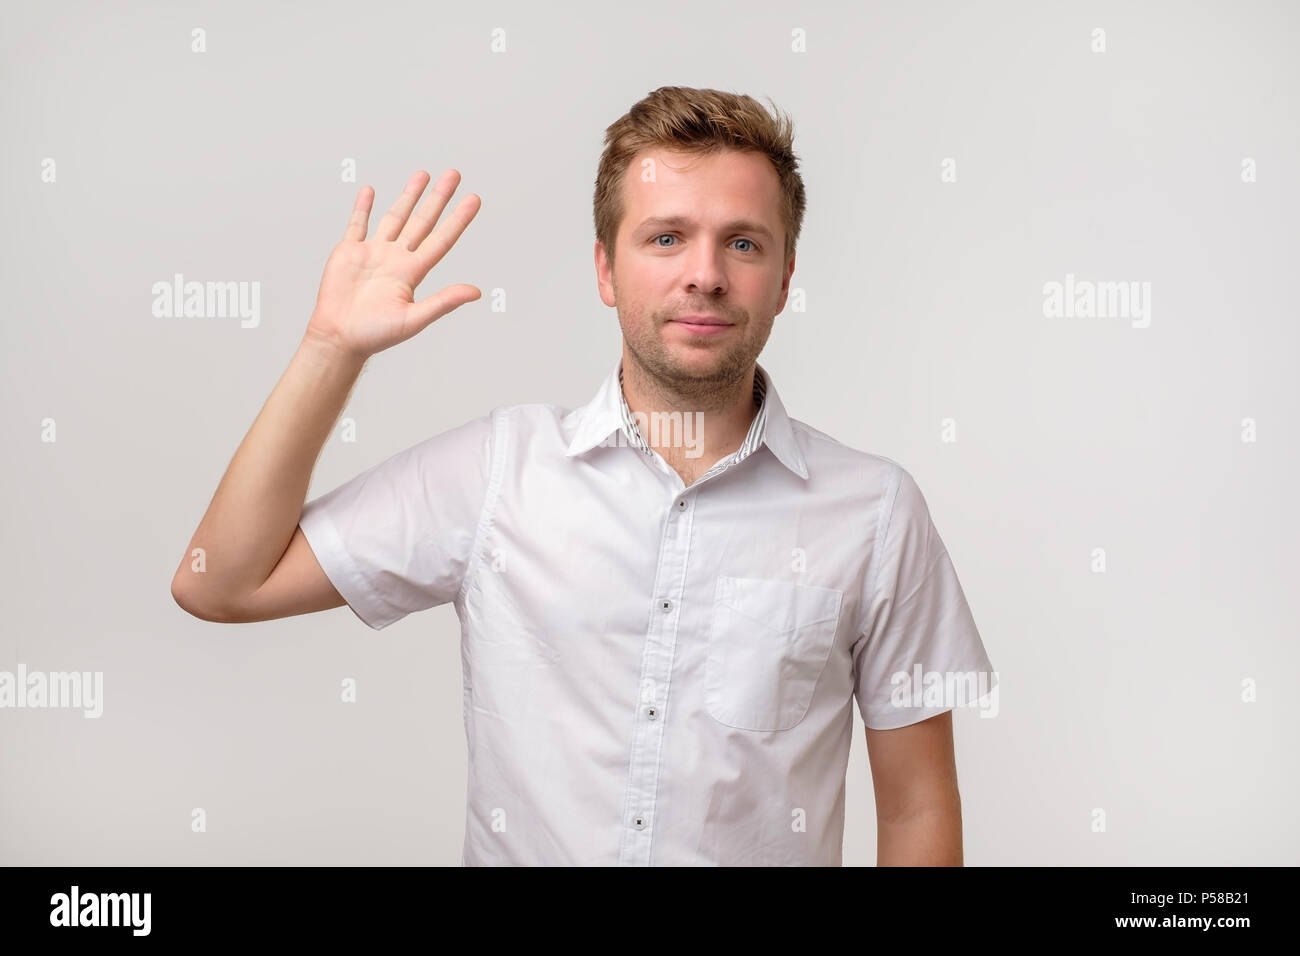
x: 327, y: 349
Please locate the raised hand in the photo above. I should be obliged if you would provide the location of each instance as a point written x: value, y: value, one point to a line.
x: 366, y: 301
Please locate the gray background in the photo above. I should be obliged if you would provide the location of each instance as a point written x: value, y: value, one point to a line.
x: 1120, y: 691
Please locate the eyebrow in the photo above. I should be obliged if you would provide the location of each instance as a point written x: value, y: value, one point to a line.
x: 679, y: 222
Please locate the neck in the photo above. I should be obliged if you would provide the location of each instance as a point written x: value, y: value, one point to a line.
x: 691, y: 427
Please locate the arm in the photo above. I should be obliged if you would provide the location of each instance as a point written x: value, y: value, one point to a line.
x: 918, y: 807
x: 256, y: 563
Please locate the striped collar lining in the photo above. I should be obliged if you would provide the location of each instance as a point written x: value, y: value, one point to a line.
x: 747, y: 447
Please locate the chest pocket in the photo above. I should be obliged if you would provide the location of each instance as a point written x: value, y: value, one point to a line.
x: 768, y: 644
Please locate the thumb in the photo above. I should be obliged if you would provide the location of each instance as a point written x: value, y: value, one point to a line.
x: 422, y: 314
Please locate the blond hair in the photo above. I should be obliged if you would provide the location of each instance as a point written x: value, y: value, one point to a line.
x: 703, y: 122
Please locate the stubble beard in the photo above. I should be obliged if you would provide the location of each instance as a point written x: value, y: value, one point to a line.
x: 703, y: 388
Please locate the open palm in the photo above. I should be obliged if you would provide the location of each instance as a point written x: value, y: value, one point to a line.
x: 366, y: 301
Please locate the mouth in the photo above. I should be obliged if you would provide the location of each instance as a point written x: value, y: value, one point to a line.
x: 702, y: 324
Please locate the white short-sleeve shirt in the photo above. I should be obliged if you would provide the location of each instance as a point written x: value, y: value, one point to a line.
x: 657, y: 674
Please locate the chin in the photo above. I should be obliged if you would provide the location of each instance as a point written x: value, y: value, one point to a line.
x: 699, y: 366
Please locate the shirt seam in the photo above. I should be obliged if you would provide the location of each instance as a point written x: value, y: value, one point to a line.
x: 498, y: 441
x: 873, y: 572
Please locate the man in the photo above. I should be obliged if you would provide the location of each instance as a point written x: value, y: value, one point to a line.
x: 670, y: 597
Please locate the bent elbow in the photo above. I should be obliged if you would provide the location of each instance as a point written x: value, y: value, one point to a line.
x: 188, y: 603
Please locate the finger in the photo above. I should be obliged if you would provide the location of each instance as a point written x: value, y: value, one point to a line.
x: 395, y: 218
x: 420, y: 314
x: 360, y: 214
x: 444, y: 237
x: 421, y: 223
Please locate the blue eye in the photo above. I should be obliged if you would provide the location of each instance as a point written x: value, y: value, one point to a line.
x: 669, y: 235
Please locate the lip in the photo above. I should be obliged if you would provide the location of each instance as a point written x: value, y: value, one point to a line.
x: 703, y: 324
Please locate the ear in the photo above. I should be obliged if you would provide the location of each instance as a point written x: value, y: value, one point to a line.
x: 785, y: 284
x: 605, y: 275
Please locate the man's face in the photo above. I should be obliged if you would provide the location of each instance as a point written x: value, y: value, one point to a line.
x: 700, y: 236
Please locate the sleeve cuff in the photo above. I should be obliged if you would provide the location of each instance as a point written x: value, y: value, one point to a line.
x: 343, y: 572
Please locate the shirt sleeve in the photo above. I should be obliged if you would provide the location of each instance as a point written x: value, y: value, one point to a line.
x: 399, y: 537
x: 919, y: 652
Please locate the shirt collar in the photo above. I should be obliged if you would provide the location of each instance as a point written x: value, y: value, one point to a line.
x: 608, y: 412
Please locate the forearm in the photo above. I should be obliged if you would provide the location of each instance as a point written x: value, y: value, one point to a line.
x: 257, y: 504
x: 929, y: 836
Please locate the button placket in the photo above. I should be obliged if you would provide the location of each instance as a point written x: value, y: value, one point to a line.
x: 656, y: 669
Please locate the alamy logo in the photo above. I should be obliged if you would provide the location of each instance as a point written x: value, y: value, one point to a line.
x: 179, y: 299
x: 70, y: 689
x: 922, y: 688
x: 1085, y: 299
x: 664, y: 430
x: 102, y: 909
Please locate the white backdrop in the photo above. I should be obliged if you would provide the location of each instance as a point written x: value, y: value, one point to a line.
x: 1116, y: 489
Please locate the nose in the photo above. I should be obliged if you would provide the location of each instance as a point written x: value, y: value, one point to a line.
x: 704, y: 274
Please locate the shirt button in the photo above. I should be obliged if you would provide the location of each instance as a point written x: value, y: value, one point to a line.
x: 665, y: 606
x: 651, y: 712
x: 640, y: 821
x: 681, y: 505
